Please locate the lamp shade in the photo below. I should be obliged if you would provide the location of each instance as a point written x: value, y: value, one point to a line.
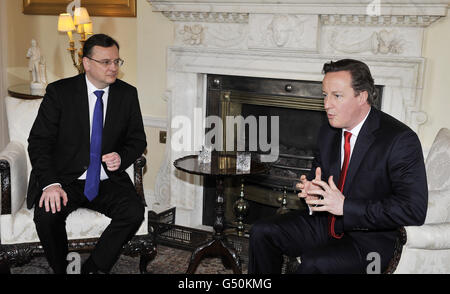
x: 85, y: 28
x: 81, y: 16
x: 65, y: 23
x: 88, y: 28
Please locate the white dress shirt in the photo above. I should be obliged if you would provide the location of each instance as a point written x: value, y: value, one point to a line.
x: 92, y: 99
x: 355, y: 133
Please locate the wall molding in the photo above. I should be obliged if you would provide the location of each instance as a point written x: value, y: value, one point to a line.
x: 154, y: 122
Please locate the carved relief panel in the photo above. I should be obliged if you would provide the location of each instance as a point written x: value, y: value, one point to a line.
x: 283, y: 31
x: 211, y: 35
x: 372, y: 41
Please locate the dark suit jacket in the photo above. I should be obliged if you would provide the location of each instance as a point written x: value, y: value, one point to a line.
x: 386, y: 184
x: 59, y: 140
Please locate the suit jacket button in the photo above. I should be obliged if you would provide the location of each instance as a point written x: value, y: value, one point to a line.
x: 85, y: 167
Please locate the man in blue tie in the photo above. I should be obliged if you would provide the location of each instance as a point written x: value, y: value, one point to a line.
x: 88, y: 131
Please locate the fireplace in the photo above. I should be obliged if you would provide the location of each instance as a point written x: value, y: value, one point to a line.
x: 298, y: 109
x: 282, y: 40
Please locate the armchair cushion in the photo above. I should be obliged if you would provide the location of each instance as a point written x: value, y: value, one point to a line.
x: 80, y: 224
x: 419, y: 261
x: 438, y: 210
x: 429, y: 236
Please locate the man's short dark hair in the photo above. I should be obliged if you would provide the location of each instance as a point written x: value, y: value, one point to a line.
x: 361, y: 77
x: 101, y: 40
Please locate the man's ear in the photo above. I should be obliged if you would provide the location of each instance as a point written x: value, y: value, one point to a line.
x: 85, y: 63
x: 363, y: 96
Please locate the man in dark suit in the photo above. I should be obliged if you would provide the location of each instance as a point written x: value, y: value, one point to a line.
x: 367, y: 180
x: 87, y: 132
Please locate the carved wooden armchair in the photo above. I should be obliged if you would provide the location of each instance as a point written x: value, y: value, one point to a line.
x: 18, y: 238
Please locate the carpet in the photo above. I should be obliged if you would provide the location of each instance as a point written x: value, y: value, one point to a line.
x: 168, y: 261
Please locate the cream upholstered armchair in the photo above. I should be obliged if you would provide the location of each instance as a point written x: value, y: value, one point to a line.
x: 426, y: 248
x: 19, y: 240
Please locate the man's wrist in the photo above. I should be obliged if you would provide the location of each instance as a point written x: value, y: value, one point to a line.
x: 54, y: 184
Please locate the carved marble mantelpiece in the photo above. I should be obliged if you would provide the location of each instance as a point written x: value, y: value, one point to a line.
x: 387, y: 7
x: 291, y: 40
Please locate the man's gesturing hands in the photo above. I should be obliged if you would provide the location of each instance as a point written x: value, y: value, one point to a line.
x: 321, y: 196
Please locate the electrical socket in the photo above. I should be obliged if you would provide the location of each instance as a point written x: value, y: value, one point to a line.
x: 162, y: 137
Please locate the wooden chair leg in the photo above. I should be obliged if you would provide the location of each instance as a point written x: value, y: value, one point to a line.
x: 145, y: 259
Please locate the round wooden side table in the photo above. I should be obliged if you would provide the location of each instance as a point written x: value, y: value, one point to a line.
x: 221, y: 166
x: 22, y: 91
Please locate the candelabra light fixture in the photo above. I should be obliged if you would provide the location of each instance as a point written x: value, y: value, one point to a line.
x: 82, y: 24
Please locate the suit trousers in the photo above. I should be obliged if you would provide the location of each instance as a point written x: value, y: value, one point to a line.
x: 298, y: 234
x: 117, y: 202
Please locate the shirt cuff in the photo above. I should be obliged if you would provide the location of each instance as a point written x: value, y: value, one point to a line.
x: 54, y: 184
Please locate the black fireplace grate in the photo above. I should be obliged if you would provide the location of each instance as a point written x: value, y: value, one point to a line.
x: 169, y: 234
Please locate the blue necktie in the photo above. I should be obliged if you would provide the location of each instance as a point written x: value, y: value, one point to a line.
x: 93, y: 173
